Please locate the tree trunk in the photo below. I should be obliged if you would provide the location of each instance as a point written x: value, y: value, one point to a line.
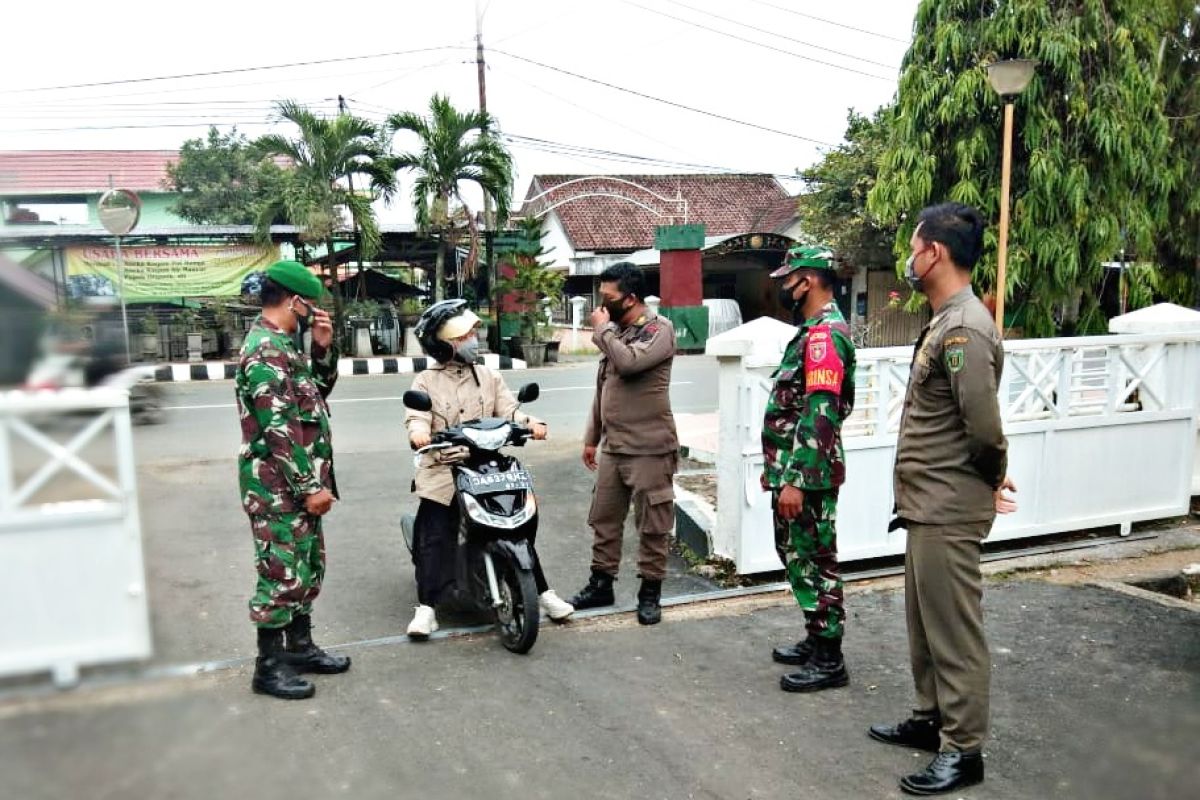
x: 439, y: 271
x: 336, y: 290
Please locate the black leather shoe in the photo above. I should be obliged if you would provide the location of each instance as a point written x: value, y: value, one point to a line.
x: 796, y: 654
x: 825, y: 669
x: 922, y: 734
x: 304, y: 656
x: 948, y: 771
x: 649, y: 609
x: 597, y: 593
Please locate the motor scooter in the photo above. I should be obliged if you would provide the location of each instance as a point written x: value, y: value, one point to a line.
x: 498, y: 516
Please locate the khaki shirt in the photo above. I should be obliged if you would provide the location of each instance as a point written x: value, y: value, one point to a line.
x: 952, y: 453
x: 459, y: 393
x: 631, y: 410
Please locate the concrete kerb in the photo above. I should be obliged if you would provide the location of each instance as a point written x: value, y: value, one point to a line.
x: 388, y: 365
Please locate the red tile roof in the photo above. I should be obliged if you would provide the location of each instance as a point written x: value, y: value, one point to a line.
x: 47, y: 172
x: 725, y: 204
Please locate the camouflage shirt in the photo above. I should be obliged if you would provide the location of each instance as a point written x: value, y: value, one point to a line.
x: 287, y: 450
x: 813, y: 394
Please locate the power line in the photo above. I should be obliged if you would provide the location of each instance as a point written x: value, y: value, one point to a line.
x: 729, y: 35
x: 829, y: 21
x: 227, y: 71
x: 547, y: 145
x: 593, y: 112
x: 776, y: 34
x: 664, y: 101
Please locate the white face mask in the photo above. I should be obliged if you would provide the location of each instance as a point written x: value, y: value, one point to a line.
x: 468, y: 350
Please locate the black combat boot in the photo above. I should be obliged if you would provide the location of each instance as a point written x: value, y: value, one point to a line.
x: 273, y: 675
x: 796, y: 654
x: 824, y: 670
x: 304, y: 656
x: 947, y: 772
x: 597, y: 593
x: 649, y: 612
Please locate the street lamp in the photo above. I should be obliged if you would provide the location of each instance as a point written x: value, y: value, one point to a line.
x: 1009, y: 79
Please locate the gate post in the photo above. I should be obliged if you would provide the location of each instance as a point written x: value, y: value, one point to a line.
x: 680, y: 283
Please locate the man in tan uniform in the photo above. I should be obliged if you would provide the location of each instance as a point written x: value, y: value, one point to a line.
x: 631, y: 414
x: 951, y: 463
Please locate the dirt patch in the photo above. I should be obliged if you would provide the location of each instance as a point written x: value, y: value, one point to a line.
x: 704, y: 485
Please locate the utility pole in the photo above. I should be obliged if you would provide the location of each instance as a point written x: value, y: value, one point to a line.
x: 488, y: 221
x: 361, y: 292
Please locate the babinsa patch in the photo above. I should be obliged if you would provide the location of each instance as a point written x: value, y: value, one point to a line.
x: 823, y: 367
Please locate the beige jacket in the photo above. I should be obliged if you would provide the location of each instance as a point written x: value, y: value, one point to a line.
x: 458, y: 395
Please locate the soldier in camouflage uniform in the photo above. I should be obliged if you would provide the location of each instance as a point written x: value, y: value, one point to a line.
x: 804, y: 464
x: 285, y: 473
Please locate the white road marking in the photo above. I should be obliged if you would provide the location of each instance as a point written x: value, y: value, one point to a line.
x: 338, y: 401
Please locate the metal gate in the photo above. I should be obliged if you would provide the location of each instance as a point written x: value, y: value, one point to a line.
x: 74, y: 590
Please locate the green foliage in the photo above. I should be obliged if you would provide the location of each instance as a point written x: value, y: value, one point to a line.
x: 149, y: 325
x: 327, y: 152
x: 1096, y: 164
x: 453, y: 147
x: 366, y: 309
x: 833, y: 208
x: 221, y: 180
x: 187, y: 320
x: 532, y: 280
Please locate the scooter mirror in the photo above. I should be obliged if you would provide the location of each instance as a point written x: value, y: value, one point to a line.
x: 417, y: 401
x: 528, y: 393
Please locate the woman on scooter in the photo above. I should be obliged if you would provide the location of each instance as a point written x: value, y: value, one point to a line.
x: 460, y: 390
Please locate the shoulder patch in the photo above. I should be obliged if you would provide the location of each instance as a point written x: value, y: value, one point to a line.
x: 956, y: 357
x: 823, y: 367
x: 649, y: 331
x: 953, y: 340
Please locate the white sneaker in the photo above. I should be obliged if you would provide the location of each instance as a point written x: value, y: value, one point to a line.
x: 424, y: 622
x: 554, y: 606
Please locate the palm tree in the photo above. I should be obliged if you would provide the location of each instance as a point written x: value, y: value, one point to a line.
x: 453, y: 147
x: 327, y: 152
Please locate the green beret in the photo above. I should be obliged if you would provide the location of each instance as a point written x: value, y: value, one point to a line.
x: 805, y: 256
x: 295, y: 277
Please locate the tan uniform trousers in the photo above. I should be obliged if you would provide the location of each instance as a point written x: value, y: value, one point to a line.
x: 951, y: 665
x: 648, y: 481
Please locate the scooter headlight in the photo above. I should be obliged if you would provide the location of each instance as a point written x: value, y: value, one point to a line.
x: 487, y: 440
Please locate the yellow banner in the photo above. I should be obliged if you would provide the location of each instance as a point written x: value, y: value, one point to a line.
x: 164, y: 271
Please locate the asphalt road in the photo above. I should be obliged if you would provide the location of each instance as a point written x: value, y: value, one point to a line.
x: 196, y: 538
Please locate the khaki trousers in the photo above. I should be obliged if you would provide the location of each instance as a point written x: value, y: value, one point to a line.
x: 647, y: 481
x: 951, y: 665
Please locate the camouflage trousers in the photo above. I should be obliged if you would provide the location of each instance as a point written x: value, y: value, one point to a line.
x: 807, y: 546
x: 289, y: 554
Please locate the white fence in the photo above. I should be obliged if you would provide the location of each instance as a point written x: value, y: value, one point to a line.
x: 1101, y: 431
x: 74, y: 591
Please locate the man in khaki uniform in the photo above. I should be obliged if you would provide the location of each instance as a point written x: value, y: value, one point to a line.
x: 951, y: 463
x: 631, y: 414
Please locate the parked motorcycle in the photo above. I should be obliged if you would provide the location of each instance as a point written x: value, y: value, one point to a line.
x: 56, y: 371
x: 497, y: 516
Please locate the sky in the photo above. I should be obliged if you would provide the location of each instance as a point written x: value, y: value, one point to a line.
x: 791, y: 66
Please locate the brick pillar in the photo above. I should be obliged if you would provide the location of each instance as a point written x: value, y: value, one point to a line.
x: 680, y: 284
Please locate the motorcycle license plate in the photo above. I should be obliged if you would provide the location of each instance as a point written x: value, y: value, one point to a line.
x: 497, y: 482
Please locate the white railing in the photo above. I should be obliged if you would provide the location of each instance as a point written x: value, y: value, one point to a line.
x: 1101, y: 430
x: 74, y: 591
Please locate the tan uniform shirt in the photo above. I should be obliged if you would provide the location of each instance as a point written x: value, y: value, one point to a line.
x: 952, y: 453
x: 456, y: 398
x: 631, y: 411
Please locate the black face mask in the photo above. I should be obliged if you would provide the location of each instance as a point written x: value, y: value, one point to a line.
x: 614, y: 308
x: 302, y: 324
x: 789, y: 302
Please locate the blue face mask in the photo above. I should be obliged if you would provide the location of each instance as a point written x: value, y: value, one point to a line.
x: 468, y: 350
